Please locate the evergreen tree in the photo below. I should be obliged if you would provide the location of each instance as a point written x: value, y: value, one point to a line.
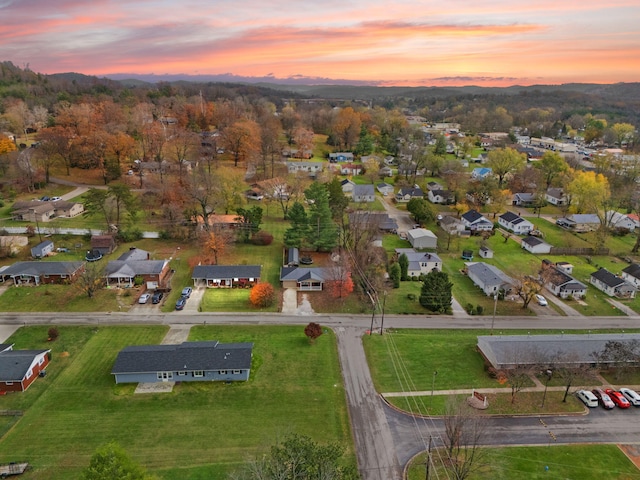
x: 394, y: 275
x: 295, y: 236
x: 435, y: 294
x: 338, y: 201
x: 323, y: 232
x: 403, y: 262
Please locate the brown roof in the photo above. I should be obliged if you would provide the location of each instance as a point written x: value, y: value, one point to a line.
x: 102, y: 241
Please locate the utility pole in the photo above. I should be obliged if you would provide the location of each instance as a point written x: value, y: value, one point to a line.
x: 428, y: 463
x: 384, y: 300
x: 495, y: 305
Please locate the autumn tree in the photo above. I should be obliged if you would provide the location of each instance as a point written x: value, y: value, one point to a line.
x: 346, y: 128
x: 214, y: 243
x: 92, y: 278
x: 505, y: 161
x: 58, y: 143
x: 242, y: 139
x: 262, y: 295
x: 229, y: 188
x: 623, y: 132
x: 435, y: 294
x: 551, y: 166
x: 339, y: 283
x: 312, y: 331
x: 182, y: 145
x: 589, y: 192
x: 526, y: 288
x: 372, y: 169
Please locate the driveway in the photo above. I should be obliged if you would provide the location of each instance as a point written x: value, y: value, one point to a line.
x: 193, y: 304
x: 402, y: 217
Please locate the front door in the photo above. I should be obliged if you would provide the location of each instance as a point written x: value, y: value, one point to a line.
x: 166, y: 376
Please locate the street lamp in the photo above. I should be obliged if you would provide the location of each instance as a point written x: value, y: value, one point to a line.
x: 433, y: 386
x: 549, y: 374
x: 495, y: 305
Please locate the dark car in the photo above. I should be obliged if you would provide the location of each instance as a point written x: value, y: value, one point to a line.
x: 182, y: 301
x: 603, y: 399
x: 157, y: 296
x: 617, y: 398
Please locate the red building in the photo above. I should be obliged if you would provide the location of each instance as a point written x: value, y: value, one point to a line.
x: 20, y: 368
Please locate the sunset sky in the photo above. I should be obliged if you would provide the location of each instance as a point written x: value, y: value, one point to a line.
x: 400, y: 42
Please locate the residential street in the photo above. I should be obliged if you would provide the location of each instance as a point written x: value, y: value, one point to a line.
x: 385, y: 439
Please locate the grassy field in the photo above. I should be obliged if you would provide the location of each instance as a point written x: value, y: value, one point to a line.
x: 586, y: 462
x: 199, y: 430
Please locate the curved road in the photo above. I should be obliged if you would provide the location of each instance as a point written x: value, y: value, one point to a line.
x: 385, y: 439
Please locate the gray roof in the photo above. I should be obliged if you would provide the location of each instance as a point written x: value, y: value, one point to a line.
x: 533, y: 241
x: 134, y: 254
x: 364, y: 218
x: 589, y: 218
x: 362, y: 190
x: 608, y: 278
x: 300, y: 274
x: 185, y: 356
x: 512, y: 218
x: 42, y: 268
x: 416, y: 258
x: 534, y: 349
x: 41, y: 246
x: 632, y: 270
x: 226, y: 271
x: 14, y: 364
x: 131, y: 268
x: 488, y: 274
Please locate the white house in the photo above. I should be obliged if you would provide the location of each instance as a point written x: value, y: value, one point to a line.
x: 556, y: 196
x: 632, y: 274
x: 619, y: 220
x: 385, y: 188
x: 420, y: 262
x: 535, y: 245
x: 612, y: 285
x: 347, y: 185
x: 422, y: 238
x: 443, y: 197
x: 491, y: 280
x: 515, y: 223
x: 475, y: 221
x: 406, y: 194
x: 364, y: 193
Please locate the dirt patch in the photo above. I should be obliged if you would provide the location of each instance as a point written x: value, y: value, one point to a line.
x: 632, y: 452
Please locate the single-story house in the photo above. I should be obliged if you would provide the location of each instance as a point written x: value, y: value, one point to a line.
x: 42, y: 249
x: 535, y: 245
x: 615, y: 219
x: 580, y: 222
x: 338, y: 157
x: 105, y: 244
x: 443, y: 197
x: 475, y: 221
x: 422, y: 238
x: 560, y: 283
x: 509, y: 351
x: 515, y: 223
x: 136, y: 263
x: 632, y: 274
x: 385, y: 171
x: 33, y: 211
x: 451, y: 225
x: 36, y: 273
x: 68, y: 209
x: 556, y: 196
x: 420, y: 262
x: 480, y: 173
x: 20, y: 368
x: 364, y: 193
x: 491, y: 280
x: 351, y: 169
x: 305, y: 279
x: 347, y: 186
x: 362, y: 220
x: 385, y: 188
x: 434, y: 186
x: 186, y: 362
x: 523, y: 199
x: 406, y: 194
x: 612, y: 285
x: 226, y: 276
x: 310, y: 167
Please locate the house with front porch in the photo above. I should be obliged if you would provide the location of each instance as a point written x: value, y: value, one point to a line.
x: 612, y: 285
x: 37, y: 273
x: 441, y: 197
x: 303, y: 279
x: 556, y: 196
x: 406, y: 194
x: 560, y: 283
x: 632, y: 274
x: 226, y: 276
x: 135, y: 267
x: 186, y: 362
x: 420, y: 262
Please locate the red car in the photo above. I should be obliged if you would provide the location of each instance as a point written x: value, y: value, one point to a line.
x: 617, y: 398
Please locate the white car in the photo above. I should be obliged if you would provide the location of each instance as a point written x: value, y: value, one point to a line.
x: 588, y: 398
x: 144, y: 298
x: 541, y: 300
x: 631, y: 395
x: 55, y: 199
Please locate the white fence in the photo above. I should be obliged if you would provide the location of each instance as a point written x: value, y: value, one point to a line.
x: 68, y: 231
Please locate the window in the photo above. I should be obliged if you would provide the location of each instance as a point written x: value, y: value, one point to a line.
x: 41, y: 361
x: 46, y: 276
x: 198, y: 373
x: 222, y: 372
x: 8, y: 383
x: 236, y: 372
x: 159, y: 375
x: 29, y: 373
x: 182, y: 374
x: 63, y: 276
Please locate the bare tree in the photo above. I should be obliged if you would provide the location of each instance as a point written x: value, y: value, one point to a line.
x: 464, y: 432
x: 92, y: 278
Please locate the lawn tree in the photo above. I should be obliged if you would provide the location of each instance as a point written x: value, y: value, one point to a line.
x: 372, y: 169
x: 421, y: 210
x: 97, y: 202
x: 111, y: 461
x: 298, y: 457
x: 435, y: 294
x: 123, y: 198
x: 526, y: 287
x: 229, y: 189
x: 566, y: 367
x: 92, y: 278
x: 623, y: 132
x: 440, y: 147
x: 590, y: 193
x: 394, y: 274
x: 434, y: 163
x: 312, y: 331
x: 182, y: 145
x: 464, y: 434
x: 262, y: 295
x: 270, y: 145
x: 338, y: 201
x: 297, y: 233
x: 202, y: 194
x: 249, y: 220
x: 242, y: 140
x: 345, y: 129
x: 403, y: 263
x: 214, y: 244
x: 323, y: 232
x: 551, y: 166
x: 339, y: 283
x: 505, y: 161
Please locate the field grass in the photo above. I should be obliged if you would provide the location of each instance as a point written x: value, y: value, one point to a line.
x: 586, y: 462
x: 199, y: 430
x: 62, y: 298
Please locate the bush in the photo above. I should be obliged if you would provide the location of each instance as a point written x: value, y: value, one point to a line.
x: 479, y: 309
x: 262, y: 238
x: 262, y: 295
x: 53, y: 333
x: 469, y: 309
x: 411, y: 296
x: 131, y: 235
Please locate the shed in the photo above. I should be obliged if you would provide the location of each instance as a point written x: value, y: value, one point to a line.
x: 422, y: 238
x: 485, y: 252
x: 42, y: 249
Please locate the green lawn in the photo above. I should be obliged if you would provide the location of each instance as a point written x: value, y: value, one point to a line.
x: 62, y: 298
x: 200, y: 430
x: 586, y: 462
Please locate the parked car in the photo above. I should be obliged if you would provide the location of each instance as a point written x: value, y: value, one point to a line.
x: 588, y: 398
x: 55, y: 199
x: 157, y: 296
x: 186, y: 292
x: 632, y: 396
x: 617, y: 398
x: 541, y: 300
x: 45, y: 198
x: 144, y: 298
x: 62, y: 250
x: 182, y: 301
x: 603, y: 399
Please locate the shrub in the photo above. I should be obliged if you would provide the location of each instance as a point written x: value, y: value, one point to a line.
x: 479, y: 309
x: 411, y: 296
x: 53, y: 333
x: 262, y: 238
x: 469, y: 309
x: 130, y: 235
x: 262, y: 295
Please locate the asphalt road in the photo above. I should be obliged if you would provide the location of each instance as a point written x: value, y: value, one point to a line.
x: 385, y: 439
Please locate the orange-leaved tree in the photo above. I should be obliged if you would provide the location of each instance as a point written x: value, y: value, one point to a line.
x: 313, y: 331
x: 262, y: 295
